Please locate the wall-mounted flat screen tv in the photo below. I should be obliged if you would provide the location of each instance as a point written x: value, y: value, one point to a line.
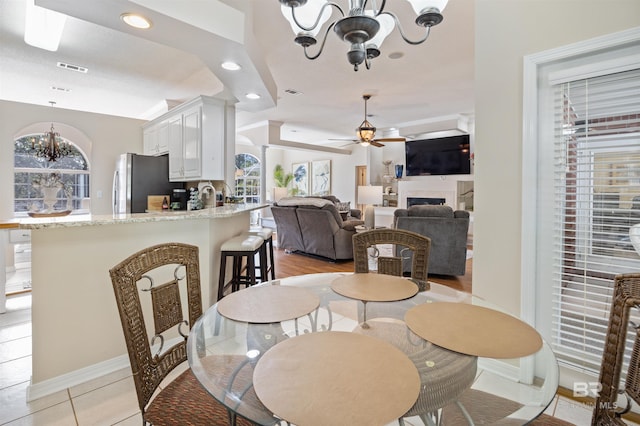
x: 439, y: 156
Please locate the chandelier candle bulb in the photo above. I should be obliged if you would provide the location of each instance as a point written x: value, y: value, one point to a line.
x: 363, y: 26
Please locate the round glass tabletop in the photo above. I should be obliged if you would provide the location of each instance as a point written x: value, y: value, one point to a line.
x: 224, y: 353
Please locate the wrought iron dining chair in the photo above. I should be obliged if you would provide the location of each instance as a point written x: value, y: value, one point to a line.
x: 626, y: 296
x: 153, y: 277
x: 392, y: 265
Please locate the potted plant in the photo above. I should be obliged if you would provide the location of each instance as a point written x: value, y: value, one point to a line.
x: 282, y: 180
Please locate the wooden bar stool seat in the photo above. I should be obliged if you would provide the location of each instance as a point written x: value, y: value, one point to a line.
x: 267, y: 235
x: 239, y: 248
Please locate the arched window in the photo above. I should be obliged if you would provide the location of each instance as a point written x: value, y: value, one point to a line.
x: 72, y: 171
x: 248, y: 178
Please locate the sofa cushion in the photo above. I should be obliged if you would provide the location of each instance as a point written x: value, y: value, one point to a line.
x: 350, y: 224
x: 303, y: 201
x: 331, y: 198
x: 430, y: 211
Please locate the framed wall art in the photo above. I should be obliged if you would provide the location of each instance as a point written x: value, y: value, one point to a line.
x: 300, y: 183
x: 321, y: 177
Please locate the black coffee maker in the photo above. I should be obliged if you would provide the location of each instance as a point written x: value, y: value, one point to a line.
x: 179, y: 199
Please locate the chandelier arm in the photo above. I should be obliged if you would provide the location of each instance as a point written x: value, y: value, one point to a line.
x: 324, y: 40
x: 397, y: 21
x: 311, y: 28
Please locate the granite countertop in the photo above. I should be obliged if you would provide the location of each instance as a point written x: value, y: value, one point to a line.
x: 159, y: 216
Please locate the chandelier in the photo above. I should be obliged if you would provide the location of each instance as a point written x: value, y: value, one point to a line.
x: 50, y: 146
x: 364, y: 25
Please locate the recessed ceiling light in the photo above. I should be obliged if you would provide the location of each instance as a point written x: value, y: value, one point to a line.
x: 231, y: 66
x: 136, y: 21
x: 395, y: 55
x: 252, y: 96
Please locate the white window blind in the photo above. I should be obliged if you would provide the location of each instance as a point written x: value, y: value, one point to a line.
x: 597, y: 200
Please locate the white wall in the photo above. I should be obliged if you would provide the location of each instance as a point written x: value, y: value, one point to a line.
x: 505, y: 32
x: 343, y: 167
x: 108, y: 136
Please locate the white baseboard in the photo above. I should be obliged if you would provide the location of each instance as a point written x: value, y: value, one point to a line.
x: 76, y: 377
x: 500, y: 368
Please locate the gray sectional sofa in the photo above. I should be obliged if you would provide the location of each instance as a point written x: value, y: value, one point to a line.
x: 313, y: 226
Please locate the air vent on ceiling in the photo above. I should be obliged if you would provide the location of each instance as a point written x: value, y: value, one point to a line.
x: 60, y: 89
x: 72, y: 67
x: 292, y: 92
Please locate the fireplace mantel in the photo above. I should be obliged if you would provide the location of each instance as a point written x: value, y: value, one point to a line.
x: 429, y: 188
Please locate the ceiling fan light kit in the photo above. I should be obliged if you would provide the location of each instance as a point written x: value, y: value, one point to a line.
x: 366, y: 132
x: 364, y: 26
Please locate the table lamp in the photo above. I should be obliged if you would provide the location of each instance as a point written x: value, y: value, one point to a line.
x: 369, y: 196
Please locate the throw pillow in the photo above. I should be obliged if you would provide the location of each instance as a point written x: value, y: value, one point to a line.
x: 344, y: 207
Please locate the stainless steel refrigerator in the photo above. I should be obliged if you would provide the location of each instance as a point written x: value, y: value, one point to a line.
x: 138, y: 176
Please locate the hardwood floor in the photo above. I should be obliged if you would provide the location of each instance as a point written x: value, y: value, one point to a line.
x: 288, y: 265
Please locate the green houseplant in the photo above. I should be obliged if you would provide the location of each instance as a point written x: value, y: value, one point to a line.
x: 282, y: 179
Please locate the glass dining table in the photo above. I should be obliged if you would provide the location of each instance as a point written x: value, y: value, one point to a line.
x: 253, y: 369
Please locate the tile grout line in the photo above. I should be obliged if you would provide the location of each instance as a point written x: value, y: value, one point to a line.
x: 73, y: 407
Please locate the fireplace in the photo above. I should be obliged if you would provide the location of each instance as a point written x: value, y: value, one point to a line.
x: 419, y: 201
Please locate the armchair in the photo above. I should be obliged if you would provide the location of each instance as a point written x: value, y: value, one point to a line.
x: 447, y: 230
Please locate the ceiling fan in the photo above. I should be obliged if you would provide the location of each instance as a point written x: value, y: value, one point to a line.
x: 366, y: 132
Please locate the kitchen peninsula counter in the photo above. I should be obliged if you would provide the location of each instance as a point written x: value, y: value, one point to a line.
x: 225, y: 211
x: 76, y: 330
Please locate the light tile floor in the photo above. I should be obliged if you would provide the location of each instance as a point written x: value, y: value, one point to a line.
x: 109, y: 400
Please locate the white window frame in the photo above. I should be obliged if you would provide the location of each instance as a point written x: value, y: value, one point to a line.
x: 534, y: 278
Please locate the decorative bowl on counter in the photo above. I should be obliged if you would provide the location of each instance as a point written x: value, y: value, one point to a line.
x: 59, y: 213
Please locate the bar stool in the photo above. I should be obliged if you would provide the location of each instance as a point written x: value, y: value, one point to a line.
x: 267, y: 235
x: 240, y: 247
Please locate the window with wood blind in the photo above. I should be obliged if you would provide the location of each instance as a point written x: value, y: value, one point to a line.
x: 597, y: 200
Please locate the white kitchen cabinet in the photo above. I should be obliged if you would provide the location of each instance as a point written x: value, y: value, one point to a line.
x: 156, y: 138
x: 192, y: 142
x: 196, y: 140
x: 175, y: 147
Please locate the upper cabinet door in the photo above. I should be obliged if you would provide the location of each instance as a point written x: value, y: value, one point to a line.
x: 192, y: 142
x: 155, y: 138
x: 176, y: 155
x: 163, y: 138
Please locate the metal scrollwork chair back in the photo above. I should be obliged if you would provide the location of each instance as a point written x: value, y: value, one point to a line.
x: 626, y: 297
x: 153, y: 278
x: 392, y: 265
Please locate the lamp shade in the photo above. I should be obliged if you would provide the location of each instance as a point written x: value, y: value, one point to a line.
x: 365, y: 132
x: 370, y: 195
x: 307, y: 15
x: 420, y: 5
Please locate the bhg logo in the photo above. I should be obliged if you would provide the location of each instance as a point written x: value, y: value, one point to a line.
x: 586, y: 389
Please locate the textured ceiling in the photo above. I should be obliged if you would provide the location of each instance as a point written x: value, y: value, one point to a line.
x: 135, y: 74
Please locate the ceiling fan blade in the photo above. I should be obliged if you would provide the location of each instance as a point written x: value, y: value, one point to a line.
x: 376, y: 143
x: 391, y: 139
